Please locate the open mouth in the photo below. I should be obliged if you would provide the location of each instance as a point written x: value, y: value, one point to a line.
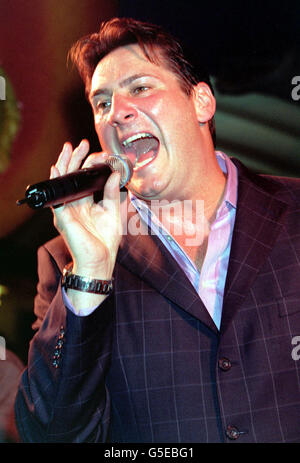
x: 141, y: 149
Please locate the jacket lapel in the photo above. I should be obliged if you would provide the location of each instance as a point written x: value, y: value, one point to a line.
x: 144, y: 255
x: 258, y: 223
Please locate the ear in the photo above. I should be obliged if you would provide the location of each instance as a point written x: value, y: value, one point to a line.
x: 204, y: 101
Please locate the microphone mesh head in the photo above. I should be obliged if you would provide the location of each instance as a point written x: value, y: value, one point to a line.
x: 122, y: 165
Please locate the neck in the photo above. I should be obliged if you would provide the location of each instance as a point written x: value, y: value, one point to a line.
x: 191, y: 216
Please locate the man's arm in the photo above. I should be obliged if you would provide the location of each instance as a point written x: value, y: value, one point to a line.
x: 62, y: 395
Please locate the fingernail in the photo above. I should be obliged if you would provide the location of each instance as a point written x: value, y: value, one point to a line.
x: 66, y: 146
x: 83, y: 142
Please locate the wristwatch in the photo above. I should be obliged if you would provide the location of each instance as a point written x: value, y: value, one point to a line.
x: 88, y: 285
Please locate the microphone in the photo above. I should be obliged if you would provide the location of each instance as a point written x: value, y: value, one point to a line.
x: 76, y: 185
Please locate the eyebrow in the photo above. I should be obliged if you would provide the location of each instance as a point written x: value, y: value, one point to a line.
x: 123, y: 83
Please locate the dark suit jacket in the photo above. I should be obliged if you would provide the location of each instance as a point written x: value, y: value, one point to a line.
x: 150, y: 366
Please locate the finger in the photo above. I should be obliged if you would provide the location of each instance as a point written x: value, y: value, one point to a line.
x: 63, y: 160
x: 54, y: 172
x: 111, y: 193
x: 112, y: 186
x: 78, y: 155
x: 95, y: 159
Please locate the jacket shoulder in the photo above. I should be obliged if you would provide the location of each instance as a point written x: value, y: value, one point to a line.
x: 286, y: 189
x: 289, y: 187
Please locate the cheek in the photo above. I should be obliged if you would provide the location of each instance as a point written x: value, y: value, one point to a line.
x: 98, y: 129
x: 164, y: 115
x: 152, y: 106
x: 172, y: 112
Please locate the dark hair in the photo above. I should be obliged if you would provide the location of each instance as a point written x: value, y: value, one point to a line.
x: 89, y: 50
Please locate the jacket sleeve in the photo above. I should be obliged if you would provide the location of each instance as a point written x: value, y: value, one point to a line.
x: 62, y: 395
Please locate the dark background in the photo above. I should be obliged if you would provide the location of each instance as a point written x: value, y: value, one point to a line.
x: 251, y: 50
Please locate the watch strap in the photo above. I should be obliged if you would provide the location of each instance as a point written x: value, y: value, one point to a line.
x: 85, y: 284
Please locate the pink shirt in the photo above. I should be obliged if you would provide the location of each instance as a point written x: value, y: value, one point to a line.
x: 210, y: 282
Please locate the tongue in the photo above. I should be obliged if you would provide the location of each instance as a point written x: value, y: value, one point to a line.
x: 142, y: 149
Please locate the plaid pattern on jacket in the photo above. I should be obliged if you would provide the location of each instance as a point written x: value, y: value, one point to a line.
x: 149, y: 365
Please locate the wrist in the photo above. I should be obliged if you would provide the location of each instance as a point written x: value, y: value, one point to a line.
x: 83, y: 302
x: 99, y: 272
x: 75, y: 281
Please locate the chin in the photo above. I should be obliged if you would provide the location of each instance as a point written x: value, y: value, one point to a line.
x: 147, y: 183
x: 149, y: 192
x: 145, y: 192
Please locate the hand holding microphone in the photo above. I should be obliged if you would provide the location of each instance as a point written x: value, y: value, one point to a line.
x: 76, y: 185
x: 92, y: 231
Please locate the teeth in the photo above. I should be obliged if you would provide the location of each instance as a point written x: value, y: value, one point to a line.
x: 136, y: 137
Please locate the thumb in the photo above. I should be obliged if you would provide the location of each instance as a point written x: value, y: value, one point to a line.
x: 111, y: 193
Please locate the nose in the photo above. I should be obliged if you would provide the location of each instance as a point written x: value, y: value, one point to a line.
x: 122, y: 111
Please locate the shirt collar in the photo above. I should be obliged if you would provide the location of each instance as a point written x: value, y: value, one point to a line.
x: 227, y: 166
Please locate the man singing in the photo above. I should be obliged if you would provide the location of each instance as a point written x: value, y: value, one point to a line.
x: 184, y: 340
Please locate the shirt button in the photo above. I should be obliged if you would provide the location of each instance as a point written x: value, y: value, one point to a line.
x: 232, y: 432
x: 224, y: 364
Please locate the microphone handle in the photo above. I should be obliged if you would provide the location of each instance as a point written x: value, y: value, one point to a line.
x: 66, y: 188
x: 76, y: 185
